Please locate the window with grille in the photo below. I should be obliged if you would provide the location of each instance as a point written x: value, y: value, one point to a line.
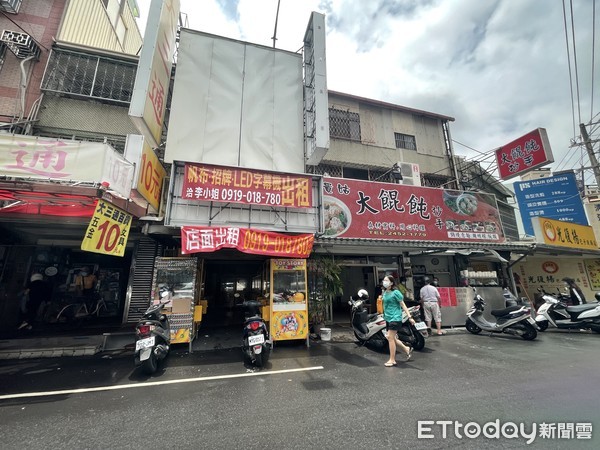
x: 85, y: 75
x: 344, y: 124
x: 405, y: 141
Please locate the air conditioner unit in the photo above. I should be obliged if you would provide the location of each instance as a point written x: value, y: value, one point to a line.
x: 10, y: 6
x: 411, y: 174
x: 21, y: 44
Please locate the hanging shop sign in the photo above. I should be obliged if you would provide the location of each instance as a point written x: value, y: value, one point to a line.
x: 63, y: 160
x: 554, y: 197
x: 257, y: 242
x: 149, y: 171
x: 237, y: 185
x: 363, y: 209
x: 564, y: 234
x: 524, y: 154
x: 108, y: 230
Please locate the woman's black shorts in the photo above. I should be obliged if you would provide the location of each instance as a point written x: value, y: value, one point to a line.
x: 393, y: 325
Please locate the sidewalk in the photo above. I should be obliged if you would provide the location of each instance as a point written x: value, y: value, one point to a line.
x: 122, y: 340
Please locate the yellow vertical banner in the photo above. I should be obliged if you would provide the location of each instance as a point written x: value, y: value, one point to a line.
x: 108, y: 230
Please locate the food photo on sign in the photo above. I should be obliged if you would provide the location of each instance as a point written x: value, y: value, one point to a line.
x: 362, y: 209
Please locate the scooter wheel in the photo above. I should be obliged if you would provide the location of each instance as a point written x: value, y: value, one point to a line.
x: 542, y: 326
x: 150, y: 365
x: 419, y: 341
x: 472, y: 328
x: 530, y: 332
x: 258, y: 360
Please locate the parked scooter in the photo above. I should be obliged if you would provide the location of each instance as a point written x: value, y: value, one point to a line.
x: 256, y: 343
x: 515, y: 320
x: 153, y: 335
x: 555, y: 311
x: 370, y: 328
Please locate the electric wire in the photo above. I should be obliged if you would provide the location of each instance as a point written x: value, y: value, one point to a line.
x: 593, y: 56
x: 575, y: 62
x: 569, y: 65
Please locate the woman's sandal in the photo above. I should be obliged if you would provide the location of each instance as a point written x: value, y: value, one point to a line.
x: 389, y: 364
x: 409, y: 354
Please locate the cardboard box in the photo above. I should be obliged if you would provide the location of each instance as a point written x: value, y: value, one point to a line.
x: 182, y: 305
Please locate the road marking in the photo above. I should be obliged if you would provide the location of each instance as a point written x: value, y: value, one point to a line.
x: 153, y: 383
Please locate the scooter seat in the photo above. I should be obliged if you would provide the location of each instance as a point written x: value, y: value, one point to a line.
x: 505, y: 311
x: 580, y: 308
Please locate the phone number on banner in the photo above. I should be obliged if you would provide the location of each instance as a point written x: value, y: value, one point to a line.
x: 236, y: 195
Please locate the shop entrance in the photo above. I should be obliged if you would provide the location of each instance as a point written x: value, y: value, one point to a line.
x: 354, y: 277
x: 227, y: 282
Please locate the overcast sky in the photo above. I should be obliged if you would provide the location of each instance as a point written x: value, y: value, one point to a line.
x: 499, y: 67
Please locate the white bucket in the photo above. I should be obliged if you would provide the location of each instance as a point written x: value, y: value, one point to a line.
x: 325, y: 334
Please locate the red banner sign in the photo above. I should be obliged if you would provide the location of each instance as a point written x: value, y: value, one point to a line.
x: 258, y: 242
x: 364, y: 209
x: 524, y: 154
x: 230, y: 184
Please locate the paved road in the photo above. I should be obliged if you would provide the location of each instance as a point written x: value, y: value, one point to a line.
x: 332, y: 395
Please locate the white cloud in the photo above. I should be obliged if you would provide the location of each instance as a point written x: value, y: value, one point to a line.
x: 498, y: 66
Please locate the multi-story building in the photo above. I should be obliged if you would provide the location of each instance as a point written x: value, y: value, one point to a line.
x: 66, y: 78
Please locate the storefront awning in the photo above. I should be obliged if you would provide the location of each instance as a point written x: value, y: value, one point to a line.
x: 50, y: 199
x: 346, y: 245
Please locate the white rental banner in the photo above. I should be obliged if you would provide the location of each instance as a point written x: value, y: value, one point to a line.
x: 236, y: 104
x: 63, y: 160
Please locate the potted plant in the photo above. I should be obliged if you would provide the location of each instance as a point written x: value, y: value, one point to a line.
x: 324, y: 283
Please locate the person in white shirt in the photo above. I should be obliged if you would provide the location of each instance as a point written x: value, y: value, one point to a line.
x: 430, y: 299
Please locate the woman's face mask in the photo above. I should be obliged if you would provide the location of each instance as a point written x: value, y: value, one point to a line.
x: 386, y: 284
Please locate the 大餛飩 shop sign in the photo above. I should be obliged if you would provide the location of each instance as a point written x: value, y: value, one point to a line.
x: 227, y: 184
x: 364, y: 209
x: 258, y: 242
x: 524, y: 154
x: 108, y: 230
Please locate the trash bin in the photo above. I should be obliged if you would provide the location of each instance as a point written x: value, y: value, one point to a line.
x: 325, y: 334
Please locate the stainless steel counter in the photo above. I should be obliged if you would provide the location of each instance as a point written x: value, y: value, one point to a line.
x: 457, y: 315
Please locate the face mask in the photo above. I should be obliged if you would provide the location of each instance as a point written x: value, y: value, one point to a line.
x: 386, y: 284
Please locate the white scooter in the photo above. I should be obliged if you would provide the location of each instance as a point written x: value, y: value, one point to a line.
x: 515, y: 320
x: 554, y: 311
x: 370, y: 328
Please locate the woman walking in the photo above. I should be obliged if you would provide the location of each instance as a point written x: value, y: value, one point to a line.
x: 393, y: 305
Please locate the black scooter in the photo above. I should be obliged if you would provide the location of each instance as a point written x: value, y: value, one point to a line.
x: 256, y: 343
x: 152, y: 336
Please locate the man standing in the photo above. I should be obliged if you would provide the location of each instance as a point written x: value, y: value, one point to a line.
x: 430, y: 298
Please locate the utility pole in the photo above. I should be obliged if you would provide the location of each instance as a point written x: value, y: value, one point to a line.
x: 591, y: 154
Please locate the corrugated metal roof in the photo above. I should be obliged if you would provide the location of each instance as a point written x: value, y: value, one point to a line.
x: 404, y: 243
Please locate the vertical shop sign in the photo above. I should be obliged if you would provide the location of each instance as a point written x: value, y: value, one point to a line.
x: 148, y: 102
x: 108, y: 230
x: 151, y: 177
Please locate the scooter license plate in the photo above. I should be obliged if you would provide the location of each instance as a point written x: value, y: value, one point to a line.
x: 256, y: 339
x: 144, y: 343
x: 420, y: 326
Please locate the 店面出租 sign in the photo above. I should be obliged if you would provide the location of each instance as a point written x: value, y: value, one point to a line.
x: 258, y: 242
